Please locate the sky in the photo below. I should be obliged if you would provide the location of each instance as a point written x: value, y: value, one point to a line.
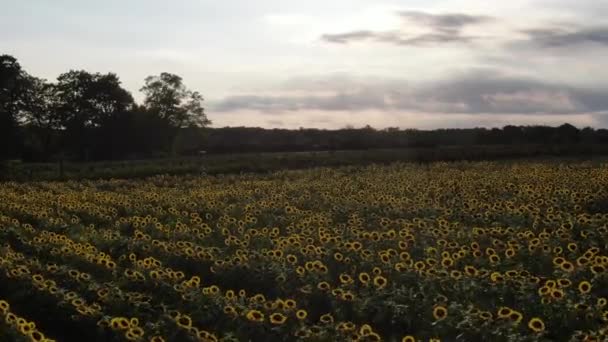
x: 330, y: 64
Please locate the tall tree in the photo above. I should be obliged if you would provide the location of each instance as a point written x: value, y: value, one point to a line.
x: 41, y: 116
x: 87, y: 101
x: 167, y: 97
x: 11, y: 87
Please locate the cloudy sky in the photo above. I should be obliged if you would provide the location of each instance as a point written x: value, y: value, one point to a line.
x: 328, y: 64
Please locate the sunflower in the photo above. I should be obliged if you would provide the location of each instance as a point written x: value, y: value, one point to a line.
x: 440, y: 312
x: 455, y: 274
x: 365, y: 329
x: 380, y: 282
x: 4, y: 306
x: 408, y: 338
x: 536, y: 325
x: 470, y: 270
x: 301, y: 314
x: 557, y: 261
x: 584, y: 287
x: 230, y: 295
x: 277, y: 318
x: 134, y: 322
x: 496, y: 277
x: 303, y: 333
x: 326, y: 318
x: 184, y: 322
x: 255, y: 316
x: 348, y: 296
x: 447, y: 262
x: 323, y: 286
x: 25, y: 329
x: 419, y: 265
x: 504, y: 312
x: 157, y: 339
x: 10, y: 318
x: 557, y: 294
x: 485, y: 315
x: 373, y: 337
x: 137, y: 332
x: 36, y: 336
x: 510, y: 252
x: 567, y: 266
x: 230, y: 311
x: 292, y: 259
x: 290, y: 304
x: 516, y: 316
x: 582, y: 261
x: 204, y: 335
x: 597, y: 269
x: 346, y: 326
x: 346, y: 279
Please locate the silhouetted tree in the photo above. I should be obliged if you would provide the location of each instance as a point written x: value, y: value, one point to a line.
x: 41, y: 117
x: 168, y: 98
x: 87, y: 101
x: 566, y: 134
x: 171, y: 106
x: 11, y: 89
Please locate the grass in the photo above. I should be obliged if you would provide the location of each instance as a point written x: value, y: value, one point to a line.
x: 268, y: 162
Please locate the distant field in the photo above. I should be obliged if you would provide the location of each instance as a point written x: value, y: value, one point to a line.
x: 478, y: 251
x: 268, y: 162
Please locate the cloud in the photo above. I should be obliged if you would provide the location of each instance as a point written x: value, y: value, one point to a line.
x: 552, y: 37
x: 444, y: 22
x: 347, y: 37
x: 440, y: 29
x: 474, y: 92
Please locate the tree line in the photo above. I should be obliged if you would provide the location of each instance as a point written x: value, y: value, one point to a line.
x: 84, y: 116
x: 90, y: 116
x: 250, y: 139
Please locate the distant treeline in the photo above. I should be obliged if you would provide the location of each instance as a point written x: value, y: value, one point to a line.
x: 245, y: 139
x: 85, y: 116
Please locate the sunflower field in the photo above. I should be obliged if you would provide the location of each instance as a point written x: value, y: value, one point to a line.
x: 485, y: 251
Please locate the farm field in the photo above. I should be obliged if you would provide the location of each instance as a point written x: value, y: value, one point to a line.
x: 479, y: 251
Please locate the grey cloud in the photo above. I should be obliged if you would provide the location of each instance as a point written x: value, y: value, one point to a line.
x: 343, y: 38
x: 444, y: 28
x: 444, y: 22
x: 353, y: 101
x: 560, y: 37
x: 480, y: 92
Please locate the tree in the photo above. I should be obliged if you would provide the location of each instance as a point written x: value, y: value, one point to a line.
x: 87, y: 102
x: 11, y: 76
x: 90, y: 99
x: 567, y: 134
x: 40, y: 116
x: 39, y: 102
x: 10, y: 84
x: 167, y: 97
